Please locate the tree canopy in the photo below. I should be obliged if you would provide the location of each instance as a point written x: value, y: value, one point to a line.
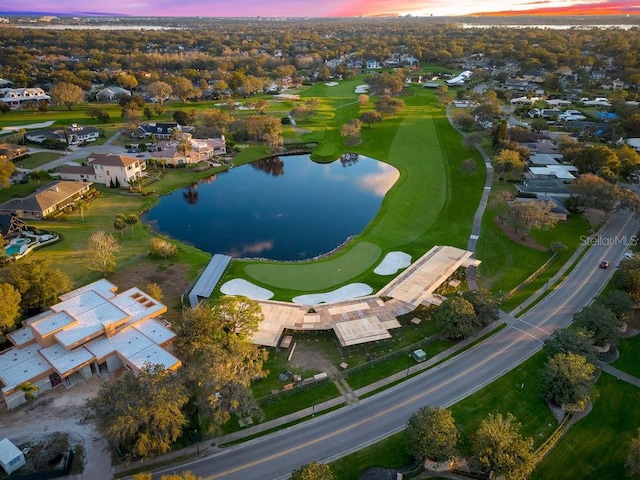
x: 39, y: 285
x: 432, y: 434
x: 313, y: 471
x: 501, y: 449
x: 141, y: 415
x: 67, y: 94
x: 219, y: 360
x: 568, y: 380
x: 456, y: 318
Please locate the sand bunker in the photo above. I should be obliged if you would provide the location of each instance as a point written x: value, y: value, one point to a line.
x: 362, y: 89
x: 30, y: 126
x: 238, y: 286
x: 331, y: 84
x: 353, y: 290
x: 392, y: 262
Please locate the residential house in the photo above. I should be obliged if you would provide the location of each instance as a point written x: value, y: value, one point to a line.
x: 18, y: 97
x: 517, y: 84
x: 373, y: 64
x: 77, y: 134
x: 535, y: 76
x: 162, y: 131
x: 201, y: 150
x: 617, y: 85
x: 11, y: 151
x: 560, y: 172
x: 112, y: 94
x: 74, y: 134
x: 333, y: 62
x: 108, y: 169
x: 93, y: 330
x: 45, y: 200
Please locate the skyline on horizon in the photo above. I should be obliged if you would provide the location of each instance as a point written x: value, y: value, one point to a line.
x: 328, y: 8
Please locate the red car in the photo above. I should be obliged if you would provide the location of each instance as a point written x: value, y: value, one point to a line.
x: 604, y: 264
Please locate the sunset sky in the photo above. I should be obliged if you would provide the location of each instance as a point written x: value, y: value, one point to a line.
x: 323, y: 8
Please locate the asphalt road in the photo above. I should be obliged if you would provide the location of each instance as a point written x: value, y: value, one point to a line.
x: 351, y: 428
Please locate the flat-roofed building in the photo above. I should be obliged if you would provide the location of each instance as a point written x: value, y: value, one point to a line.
x: 93, y: 330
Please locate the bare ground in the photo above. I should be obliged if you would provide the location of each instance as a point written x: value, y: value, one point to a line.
x: 61, y: 410
x: 171, y: 277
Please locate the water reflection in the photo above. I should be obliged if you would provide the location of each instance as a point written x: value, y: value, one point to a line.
x: 191, y: 194
x: 379, y: 183
x: 307, y: 212
x: 349, y: 159
x: 273, y: 166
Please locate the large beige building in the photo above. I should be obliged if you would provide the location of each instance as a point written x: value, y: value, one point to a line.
x: 93, y: 330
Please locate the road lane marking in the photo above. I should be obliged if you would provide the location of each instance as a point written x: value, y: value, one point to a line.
x: 527, y: 333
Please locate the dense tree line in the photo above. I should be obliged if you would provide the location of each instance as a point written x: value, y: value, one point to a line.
x: 248, y: 48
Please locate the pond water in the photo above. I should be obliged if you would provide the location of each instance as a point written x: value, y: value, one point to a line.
x: 285, y: 208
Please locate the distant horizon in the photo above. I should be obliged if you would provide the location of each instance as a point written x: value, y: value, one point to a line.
x: 325, y: 8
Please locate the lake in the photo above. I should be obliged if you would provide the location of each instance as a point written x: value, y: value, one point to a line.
x: 284, y: 208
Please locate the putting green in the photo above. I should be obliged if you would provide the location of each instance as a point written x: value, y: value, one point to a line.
x: 319, y: 275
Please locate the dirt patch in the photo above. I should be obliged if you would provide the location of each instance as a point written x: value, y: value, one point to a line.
x: 517, y: 236
x: 307, y: 357
x: 59, y: 412
x: 172, y: 277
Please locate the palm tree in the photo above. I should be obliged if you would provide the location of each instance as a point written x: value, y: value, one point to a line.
x: 29, y: 389
x: 22, y: 132
x: 120, y: 223
x: 184, y: 147
x: 132, y: 219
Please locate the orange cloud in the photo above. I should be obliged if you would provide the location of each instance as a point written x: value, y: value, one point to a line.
x: 602, y: 8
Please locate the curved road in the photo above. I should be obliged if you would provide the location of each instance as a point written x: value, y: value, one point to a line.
x: 351, y: 428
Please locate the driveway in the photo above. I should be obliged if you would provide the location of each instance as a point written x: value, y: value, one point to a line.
x: 61, y: 410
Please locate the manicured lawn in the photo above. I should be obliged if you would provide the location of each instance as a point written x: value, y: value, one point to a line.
x: 569, y: 233
x: 515, y: 392
x: 629, y: 360
x: 37, y: 159
x: 388, y: 453
x: 596, y: 447
x: 300, y: 399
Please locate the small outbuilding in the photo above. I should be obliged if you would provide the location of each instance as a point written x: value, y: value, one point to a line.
x: 11, y: 458
x: 419, y: 355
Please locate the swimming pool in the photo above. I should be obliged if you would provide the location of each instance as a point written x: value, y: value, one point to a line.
x: 12, y: 250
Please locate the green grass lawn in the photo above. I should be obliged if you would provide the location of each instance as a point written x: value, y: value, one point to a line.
x: 629, y: 360
x: 596, y: 447
x: 37, y: 159
x: 388, y: 453
x: 515, y: 393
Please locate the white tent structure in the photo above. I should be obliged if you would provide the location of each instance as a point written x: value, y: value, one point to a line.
x: 11, y: 458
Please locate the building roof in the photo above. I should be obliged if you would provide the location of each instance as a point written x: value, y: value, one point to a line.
x: 46, y: 197
x: 558, y: 171
x: 88, y: 324
x: 22, y: 365
x: 111, y: 160
x: 78, y: 169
